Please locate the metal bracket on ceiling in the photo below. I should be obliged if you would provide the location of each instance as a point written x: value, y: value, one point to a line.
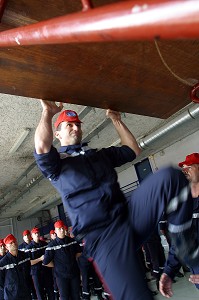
x: 193, y: 93
x: 86, y: 5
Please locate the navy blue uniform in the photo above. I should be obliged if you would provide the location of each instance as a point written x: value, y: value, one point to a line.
x: 22, y: 247
x: 87, y: 184
x: 13, y: 280
x: 63, y: 254
x: 99, y: 212
x: 1, y: 290
x: 87, y: 272
x: 173, y: 265
x: 41, y: 275
x: 155, y: 254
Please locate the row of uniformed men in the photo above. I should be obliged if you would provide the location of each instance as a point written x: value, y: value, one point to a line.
x: 37, y: 269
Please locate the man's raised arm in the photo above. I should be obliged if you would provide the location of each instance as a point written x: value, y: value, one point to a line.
x: 127, y: 138
x: 44, y: 132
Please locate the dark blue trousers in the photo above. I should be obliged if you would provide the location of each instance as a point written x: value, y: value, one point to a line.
x: 69, y: 288
x: 114, y: 248
x: 87, y: 270
x: 43, y: 283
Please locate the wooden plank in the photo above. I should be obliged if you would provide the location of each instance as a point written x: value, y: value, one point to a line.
x: 126, y: 76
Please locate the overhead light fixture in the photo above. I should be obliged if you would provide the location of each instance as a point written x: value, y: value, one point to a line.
x: 20, y: 140
x: 35, y: 199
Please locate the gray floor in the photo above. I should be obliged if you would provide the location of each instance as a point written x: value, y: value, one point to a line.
x: 182, y: 290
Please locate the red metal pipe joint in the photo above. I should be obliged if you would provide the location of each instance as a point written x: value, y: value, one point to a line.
x: 86, y: 5
x: 193, y: 93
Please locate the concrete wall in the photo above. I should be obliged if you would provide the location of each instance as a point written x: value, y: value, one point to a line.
x: 54, y: 212
x: 20, y: 226
x: 178, y: 151
x: 169, y: 156
x: 16, y: 227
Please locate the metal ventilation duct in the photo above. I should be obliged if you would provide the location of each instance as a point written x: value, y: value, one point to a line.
x: 191, y: 113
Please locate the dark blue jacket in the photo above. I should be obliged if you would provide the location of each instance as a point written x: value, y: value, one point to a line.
x: 36, y: 250
x: 23, y: 246
x: 13, y: 280
x: 87, y: 183
x: 1, y: 290
x: 63, y: 253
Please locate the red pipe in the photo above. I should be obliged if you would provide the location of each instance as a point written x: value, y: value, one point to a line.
x: 2, y: 7
x: 126, y: 20
x: 86, y: 5
x: 193, y: 93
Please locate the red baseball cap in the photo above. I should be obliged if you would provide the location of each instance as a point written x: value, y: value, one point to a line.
x: 2, y: 242
x: 26, y: 232
x: 67, y: 116
x: 191, y: 159
x: 9, y: 239
x: 59, y: 224
x: 35, y: 230
x: 52, y: 232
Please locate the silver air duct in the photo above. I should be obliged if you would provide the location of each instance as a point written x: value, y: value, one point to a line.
x: 190, y: 114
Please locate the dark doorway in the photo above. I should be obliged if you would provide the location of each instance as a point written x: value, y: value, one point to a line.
x: 143, y: 169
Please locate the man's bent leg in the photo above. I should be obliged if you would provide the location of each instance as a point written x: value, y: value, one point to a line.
x: 117, y: 261
x: 165, y: 191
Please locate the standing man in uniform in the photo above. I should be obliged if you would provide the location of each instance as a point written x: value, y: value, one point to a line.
x: 64, y: 251
x: 56, y: 292
x: 2, y: 253
x: 22, y: 247
x: 97, y: 208
x: 13, y: 280
x: 190, y: 168
x: 26, y: 240
x: 87, y: 273
x: 41, y: 275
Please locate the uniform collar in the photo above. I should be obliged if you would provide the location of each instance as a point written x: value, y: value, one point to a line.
x: 60, y: 239
x: 72, y: 148
x: 13, y: 256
